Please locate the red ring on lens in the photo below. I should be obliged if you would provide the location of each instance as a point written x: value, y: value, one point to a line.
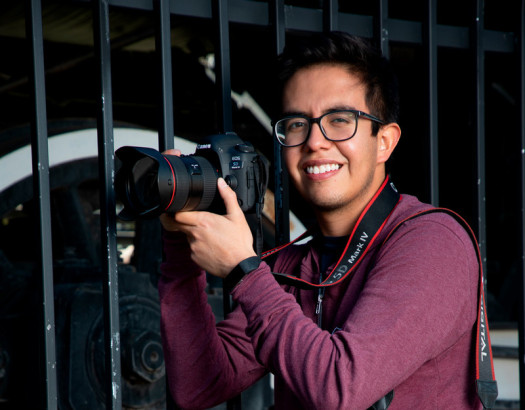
x: 174, y: 183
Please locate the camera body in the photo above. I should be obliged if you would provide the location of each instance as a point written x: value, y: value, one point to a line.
x: 149, y: 183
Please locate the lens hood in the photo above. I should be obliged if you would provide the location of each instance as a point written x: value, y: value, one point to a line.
x: 143, y: 182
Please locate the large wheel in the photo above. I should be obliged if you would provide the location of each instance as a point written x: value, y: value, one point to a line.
x: 77, y: 278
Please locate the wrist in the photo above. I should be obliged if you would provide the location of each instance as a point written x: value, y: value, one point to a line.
x: 240, y: 271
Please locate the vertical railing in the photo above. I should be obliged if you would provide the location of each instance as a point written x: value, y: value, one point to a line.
x: 381, y: 33
x: 521, y: 325
x: 224, y: 105
x: 282, y: 218
x: 477, y: 47
x: 163, y: 48
x: 430, y: 44
x: 166, y: 126
x: 41, y: 189
x: 222, y: 64
x: 330, y: 15
x: 102, y: 34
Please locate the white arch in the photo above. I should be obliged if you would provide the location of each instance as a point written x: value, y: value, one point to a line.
x: 76, y: 145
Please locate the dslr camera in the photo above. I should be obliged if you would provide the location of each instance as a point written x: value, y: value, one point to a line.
x: 149, y: 183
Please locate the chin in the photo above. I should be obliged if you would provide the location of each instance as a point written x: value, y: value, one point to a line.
x: 327, y: 207
x: 327, y: 204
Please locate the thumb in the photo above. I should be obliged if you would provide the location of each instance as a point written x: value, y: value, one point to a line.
x: 229, y: 197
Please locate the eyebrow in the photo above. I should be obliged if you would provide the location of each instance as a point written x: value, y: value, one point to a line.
x: 304, y: 114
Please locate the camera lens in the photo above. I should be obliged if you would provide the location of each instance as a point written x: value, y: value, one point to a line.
x: 195, y: 184
x: 150, y: 183
x: 144, y: 188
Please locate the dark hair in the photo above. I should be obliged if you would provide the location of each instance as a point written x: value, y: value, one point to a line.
x: 355, y: 54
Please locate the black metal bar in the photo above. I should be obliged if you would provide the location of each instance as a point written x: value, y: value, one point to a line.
x: 381, y: 27
x: 224, y: 106
x: 113, y: 388
x: 521, y: 326
x: 166, y: 131
x: 479, y: 61
x: 282, y: 205
x: 163, y: 47
x: 431, y: 49
x: 308, y: 19
x: 330, y: 14
x: 40, y: 160
x: 222, y: 65
x: 278, y: 22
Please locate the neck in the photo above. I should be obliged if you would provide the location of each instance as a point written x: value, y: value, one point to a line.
x: 337, y: 222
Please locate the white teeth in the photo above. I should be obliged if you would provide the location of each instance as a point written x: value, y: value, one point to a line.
x: 321, y: 169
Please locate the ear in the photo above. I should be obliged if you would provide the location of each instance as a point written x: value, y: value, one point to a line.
x: 387, y: 139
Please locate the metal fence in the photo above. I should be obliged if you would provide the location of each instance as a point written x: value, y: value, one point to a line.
x: 435, y: 42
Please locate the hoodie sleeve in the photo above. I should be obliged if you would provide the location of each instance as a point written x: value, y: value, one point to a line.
x: 205, y: 364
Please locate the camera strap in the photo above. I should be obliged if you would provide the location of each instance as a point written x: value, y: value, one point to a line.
x: 261, y: 180
x: 486, y: 384
x: 368, y: 226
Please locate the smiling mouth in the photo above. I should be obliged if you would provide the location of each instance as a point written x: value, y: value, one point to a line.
x: 321, y: 169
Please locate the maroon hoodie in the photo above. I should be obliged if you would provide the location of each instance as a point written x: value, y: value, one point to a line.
x: 405, y: 321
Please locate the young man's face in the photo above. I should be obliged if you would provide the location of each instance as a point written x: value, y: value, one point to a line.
x: 357, y: 173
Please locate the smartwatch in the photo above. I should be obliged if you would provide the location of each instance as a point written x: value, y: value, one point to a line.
x: 240, y: 271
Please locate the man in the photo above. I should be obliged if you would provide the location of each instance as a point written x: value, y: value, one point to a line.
x: 398, y: 331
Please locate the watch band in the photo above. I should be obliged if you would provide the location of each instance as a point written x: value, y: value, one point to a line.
x: 240, y: 271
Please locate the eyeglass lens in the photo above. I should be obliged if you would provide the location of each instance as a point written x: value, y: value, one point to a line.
x: 336, y: 126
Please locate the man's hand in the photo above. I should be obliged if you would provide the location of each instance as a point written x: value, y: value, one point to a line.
x: 218, y: 242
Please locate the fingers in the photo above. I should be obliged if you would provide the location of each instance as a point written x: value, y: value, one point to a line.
x: 186, y: 220
x: 172, y: 152
x: 183, y: 220
x: 229, y: 197
x: 169, y: 223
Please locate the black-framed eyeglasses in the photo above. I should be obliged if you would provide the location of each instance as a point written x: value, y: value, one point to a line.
x: 339, y: 125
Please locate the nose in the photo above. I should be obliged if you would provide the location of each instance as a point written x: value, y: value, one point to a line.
x: 316, y: 140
